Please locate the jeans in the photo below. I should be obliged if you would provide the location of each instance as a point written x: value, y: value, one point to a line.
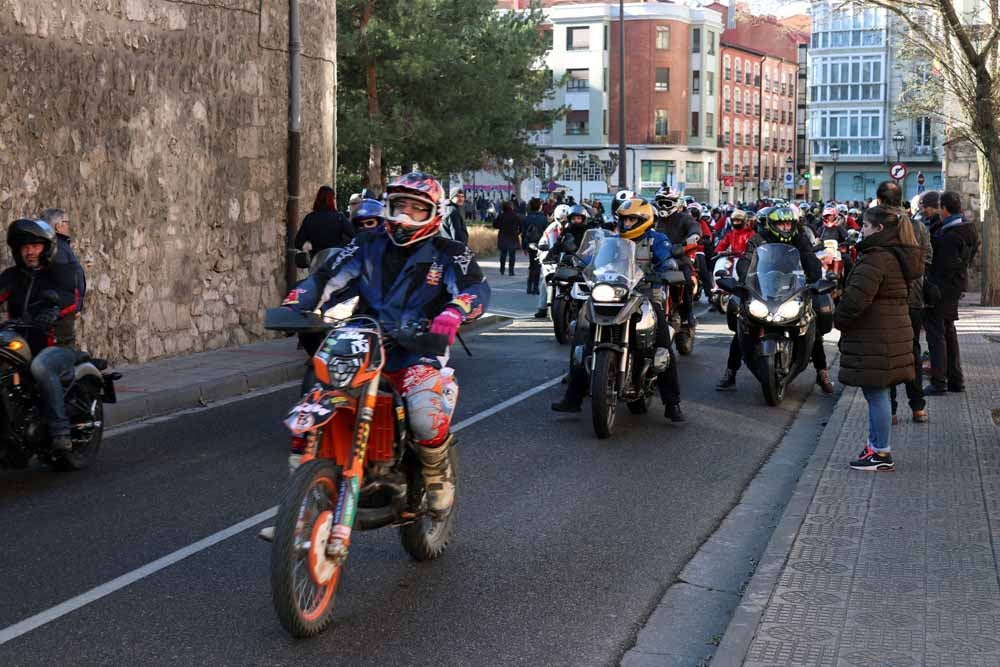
x: 879, y: 418
x: 915, y: 388
x: 504, y: 254
x: 942, y: 343
x: 51, y: 369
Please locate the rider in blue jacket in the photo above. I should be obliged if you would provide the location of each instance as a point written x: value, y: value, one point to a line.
x: 654, y: 253
x: 406, y: 274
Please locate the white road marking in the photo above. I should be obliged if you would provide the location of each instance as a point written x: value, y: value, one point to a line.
x: 63, y: 608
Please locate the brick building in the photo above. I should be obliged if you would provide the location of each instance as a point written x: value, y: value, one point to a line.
x: 757, y: 106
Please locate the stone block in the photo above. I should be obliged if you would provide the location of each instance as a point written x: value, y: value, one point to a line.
x: 247, y: 142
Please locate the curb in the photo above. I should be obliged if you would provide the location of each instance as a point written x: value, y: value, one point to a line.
x: 157, y: 404
x: 742, y: 628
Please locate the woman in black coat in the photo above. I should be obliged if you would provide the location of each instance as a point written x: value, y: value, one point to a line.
x: 325, y: 227
x: 509, y: 236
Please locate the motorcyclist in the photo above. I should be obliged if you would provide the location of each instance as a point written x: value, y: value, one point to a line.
x: 636, y: 218
x: 549, y: 240
x: 779, y: 227
x: 735, y: 242
x: 409, y: 273
x: 833, y: 228
x: 44, y: 291
x: 706, y: 251
x: 369, y: 215
x: 680, y: 229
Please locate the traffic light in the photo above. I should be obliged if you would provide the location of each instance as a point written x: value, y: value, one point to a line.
x: 805, y: 176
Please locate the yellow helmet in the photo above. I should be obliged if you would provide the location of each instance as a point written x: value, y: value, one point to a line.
x: 635, y: 217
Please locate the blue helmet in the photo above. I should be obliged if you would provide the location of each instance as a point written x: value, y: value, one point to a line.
x: 368, y: 209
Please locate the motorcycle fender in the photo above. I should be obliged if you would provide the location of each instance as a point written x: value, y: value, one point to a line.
x: 623, y: 314
x: 609, y: 346
x: 767, y: 348
x: 87, y: 369
x: 315, y: 409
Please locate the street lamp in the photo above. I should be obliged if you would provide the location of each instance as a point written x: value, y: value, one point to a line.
x: 897, y: 141
x: 581, y: 156
x: 834, y: 155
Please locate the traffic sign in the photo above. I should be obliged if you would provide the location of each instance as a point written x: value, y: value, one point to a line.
x: 789, y: 179
x: 898, y: 171
x: 920, y: 178
x: 728, y: 181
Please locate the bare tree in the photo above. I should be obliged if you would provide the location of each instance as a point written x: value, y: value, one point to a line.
x: 961, y: 91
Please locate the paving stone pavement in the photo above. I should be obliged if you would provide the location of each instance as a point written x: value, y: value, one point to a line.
x: 892, y: 569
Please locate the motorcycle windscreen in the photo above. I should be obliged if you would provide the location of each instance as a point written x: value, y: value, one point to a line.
x: 613, y: 263
x: 588, y: 244
x: 776, y: 272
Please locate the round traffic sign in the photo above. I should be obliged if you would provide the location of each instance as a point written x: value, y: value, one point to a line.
x: 898, y: 171
x: 920, y: 178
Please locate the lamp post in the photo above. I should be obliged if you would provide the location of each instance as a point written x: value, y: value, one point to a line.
x: 834, y: 155
x: 897, y: 140
x: 580, y: 158
x: 788, y: 169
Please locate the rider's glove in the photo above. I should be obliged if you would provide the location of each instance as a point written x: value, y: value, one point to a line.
x: 447, y: 324
x: 46, y: 318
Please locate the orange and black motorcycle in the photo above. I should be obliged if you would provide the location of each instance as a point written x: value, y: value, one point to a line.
x: 358, y: 470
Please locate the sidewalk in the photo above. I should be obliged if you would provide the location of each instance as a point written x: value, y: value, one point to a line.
x: 890, y: 569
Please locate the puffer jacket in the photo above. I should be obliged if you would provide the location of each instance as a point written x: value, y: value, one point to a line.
x: 876, y: 341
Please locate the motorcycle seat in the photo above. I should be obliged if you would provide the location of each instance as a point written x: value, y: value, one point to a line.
x: 83, y: 357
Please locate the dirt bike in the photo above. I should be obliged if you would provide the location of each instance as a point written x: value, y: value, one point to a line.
x: 358, y: 470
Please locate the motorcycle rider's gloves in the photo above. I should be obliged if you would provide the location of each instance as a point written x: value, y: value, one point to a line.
x: 447, y: 324
x: 46, y: 318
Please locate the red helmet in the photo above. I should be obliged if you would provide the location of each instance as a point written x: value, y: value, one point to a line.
x: 831, y: 218
x: 419, y: 187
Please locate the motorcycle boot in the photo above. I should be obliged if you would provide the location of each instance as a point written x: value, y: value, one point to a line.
x: 823, y: 380
x: 439, y: 478
x: 728, y: 381
x: 673, y: 413
x: 61, y: 444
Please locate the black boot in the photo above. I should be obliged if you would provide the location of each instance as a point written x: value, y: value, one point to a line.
x: 728, y: 381
x: 673, y: 413
x: 566, y: 406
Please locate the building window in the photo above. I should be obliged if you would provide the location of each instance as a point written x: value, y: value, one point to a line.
x: 694, y: 173
x: 696, y: 40
x: 709, y: 124
x: 605, y: 38
x: 662, y: 78
x: 578, y: 39
x: 739, y: 138
x: 604, y: 121
x: 726, y: 104
x: 922, y: 136
x: 604, y: 80
x: 579, y: 79
x: 578, y: 122
x: 846, y: 78
x: 739, y: 100
x: 660, y: 126
x: 711, y: 43
x: 710, y: 83
x: 727, y: 68
x: 695, y: 82
x: 694, y: 123
x: 663, y: 37
x: 747, y: 79
x: 547, y: 39
x: 657, y: 171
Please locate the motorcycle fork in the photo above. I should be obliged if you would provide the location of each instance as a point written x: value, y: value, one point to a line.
x: 342, y: 522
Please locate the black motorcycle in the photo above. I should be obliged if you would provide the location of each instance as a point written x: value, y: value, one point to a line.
x: 777, y: 324
x: 23, y: 431
x: 624, y: 361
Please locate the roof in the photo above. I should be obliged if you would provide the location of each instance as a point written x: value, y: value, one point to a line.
x: 762, y: 35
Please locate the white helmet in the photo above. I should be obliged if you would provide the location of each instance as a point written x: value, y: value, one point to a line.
x: 561, y: 213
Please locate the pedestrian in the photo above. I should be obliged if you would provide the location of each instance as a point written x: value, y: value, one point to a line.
x: 955, y: 242
x: 453, y: 226
x: 531, y: 232
x: 59, y: 221
x: 325, y: 227
x: 353, y: 203
x: 481, y: 206
x: 508, y: 236
x: 930, y: 210
x: 876, y: 341
x: 549, y: 206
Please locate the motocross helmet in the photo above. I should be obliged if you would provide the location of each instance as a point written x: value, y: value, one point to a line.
x: 368, y: 215
x: 738, y: 219
x: 621, y: 197
x: 635, y: 217
x: 414, y: 189
x: 695, y: 210
x: 25, y: 231
x: 561, y: 213
x: 830, y: 217
x: 855, y: 213
x: 842, y: 209
x: 577, y: 211
x: 780, y: 221
x: 667, y: 202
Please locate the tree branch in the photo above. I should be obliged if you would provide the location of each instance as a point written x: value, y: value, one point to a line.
x: 960, y: 34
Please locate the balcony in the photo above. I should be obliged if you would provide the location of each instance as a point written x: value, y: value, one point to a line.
x: 671, y: 138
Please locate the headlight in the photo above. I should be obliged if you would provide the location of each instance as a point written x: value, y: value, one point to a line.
x: 789, y: 310
x: 605, y: 293
x: 759, y: 309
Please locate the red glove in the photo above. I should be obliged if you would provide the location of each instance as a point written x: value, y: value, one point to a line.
x: 447, y: 324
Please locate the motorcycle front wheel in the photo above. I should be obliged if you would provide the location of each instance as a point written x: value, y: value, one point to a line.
x: 429, y: 535
x: 87, y: 424
x: 561, y: 317
x: 773, y: 387
x: 603, y: 390
x: 303, y: 579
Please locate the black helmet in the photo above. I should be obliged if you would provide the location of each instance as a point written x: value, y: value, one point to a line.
x: 576, y: 209
x: 780, y: 214
x: 25, y: 231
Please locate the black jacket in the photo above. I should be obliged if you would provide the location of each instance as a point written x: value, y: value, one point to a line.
x: 955, y: 244
x: 65, y: 255
x: 810, y: 263
x: 21, y: 290
x: 324, y: 229
x: 679, y: 227
x: 454, y: 227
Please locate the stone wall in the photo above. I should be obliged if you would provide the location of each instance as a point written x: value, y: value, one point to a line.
x: 160, y: 126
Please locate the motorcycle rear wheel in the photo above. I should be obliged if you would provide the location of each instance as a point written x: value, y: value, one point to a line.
x: 604, y: 397
x: 773, y: 387
x: 428, y: 537
x: 84, y: 450
x: 561, y: 316
x: 304, y: 606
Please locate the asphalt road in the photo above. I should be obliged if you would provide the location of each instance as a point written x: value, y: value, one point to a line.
x: 565, y: 542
